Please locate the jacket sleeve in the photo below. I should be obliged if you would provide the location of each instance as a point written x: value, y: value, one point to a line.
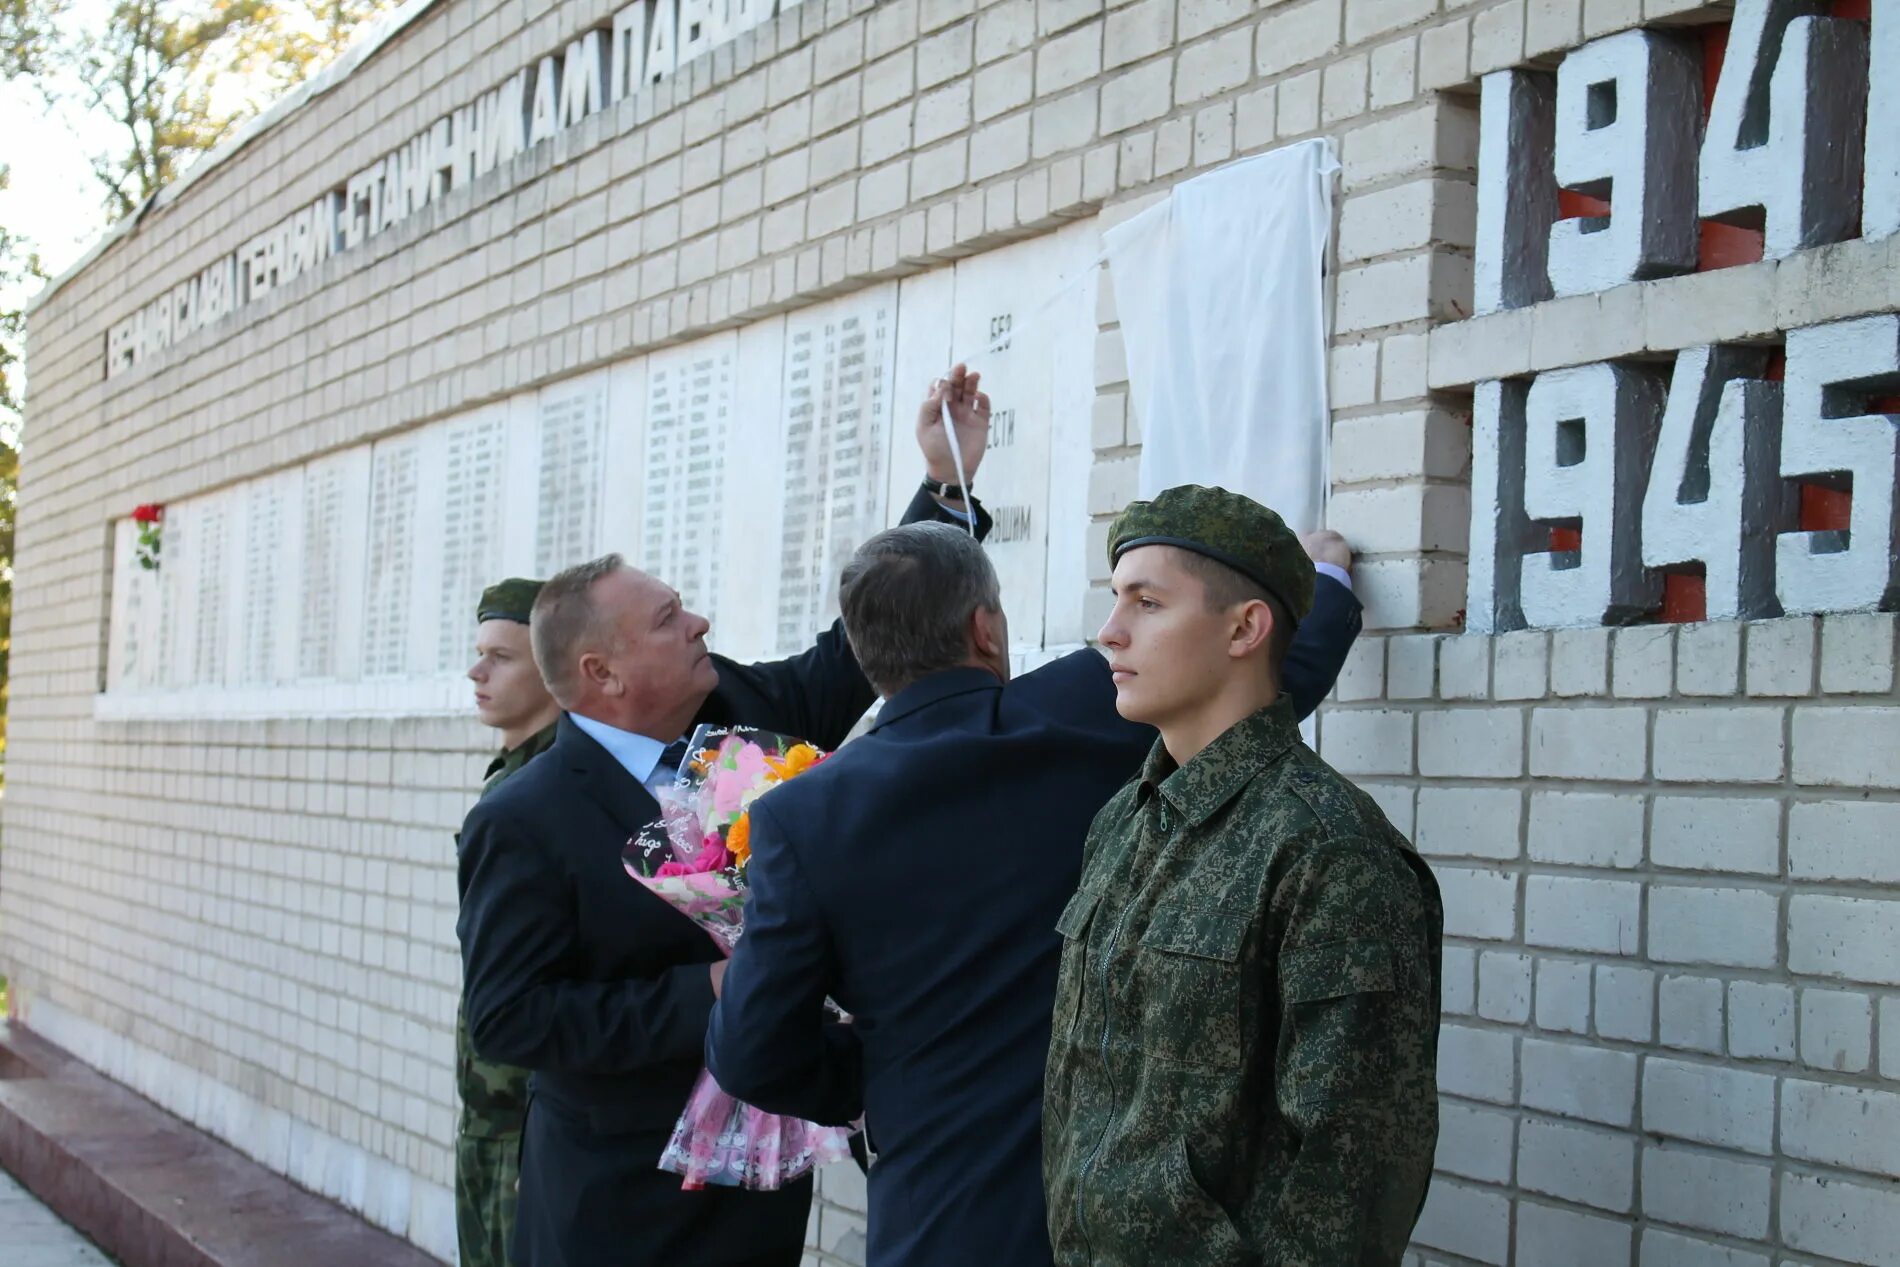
x: 924, y: 508
x: 820, y: 693
x: 1320, y: 645
x: 517, y: 929
x: 768, y: 1042
x: 1356, y: 1055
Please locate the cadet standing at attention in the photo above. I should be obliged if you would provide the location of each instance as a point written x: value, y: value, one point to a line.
x: 1243, y: 1061
x: 509, y: 696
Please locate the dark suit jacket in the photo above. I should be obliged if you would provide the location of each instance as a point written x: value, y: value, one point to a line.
x: 916, y: 878
x: 576, y: 972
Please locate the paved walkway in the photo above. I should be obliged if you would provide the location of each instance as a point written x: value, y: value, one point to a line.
x: 33, y: 1236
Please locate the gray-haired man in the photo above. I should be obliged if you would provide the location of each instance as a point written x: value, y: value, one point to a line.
x: 579, y: 974
x: 917, y: 878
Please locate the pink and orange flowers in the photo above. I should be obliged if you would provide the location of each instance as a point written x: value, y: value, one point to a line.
x: 694, y: 859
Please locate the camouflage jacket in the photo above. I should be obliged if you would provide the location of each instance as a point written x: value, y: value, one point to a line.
x: 1243, y: 1060
x: 494, y: 1097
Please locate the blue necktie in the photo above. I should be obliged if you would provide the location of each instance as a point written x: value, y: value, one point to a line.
x: 673, y: 757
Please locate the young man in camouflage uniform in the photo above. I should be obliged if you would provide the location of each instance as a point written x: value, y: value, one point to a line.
x: 509, y: 696
x: 1243, y: 1062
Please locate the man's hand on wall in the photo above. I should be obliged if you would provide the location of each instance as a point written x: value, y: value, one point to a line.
x: 1327, y: 546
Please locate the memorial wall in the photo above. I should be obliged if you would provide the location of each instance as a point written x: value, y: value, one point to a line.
x: 1612, y: 294
x: 743, y: 468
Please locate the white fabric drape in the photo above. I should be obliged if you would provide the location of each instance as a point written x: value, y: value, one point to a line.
x: 1222, y: 305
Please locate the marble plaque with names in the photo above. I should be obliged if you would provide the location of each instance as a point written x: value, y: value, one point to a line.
x: 138, y: 611
x: 567, y: 520
x: 471, y: 528
x: 689, y: 406
x: 395, y: 472
x: 323, y: 502
x: 1000, y: 297
x: 839, y: 360
x: 266, y: 535
x: 209, y: 591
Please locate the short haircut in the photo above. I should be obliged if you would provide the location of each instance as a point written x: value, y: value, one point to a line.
x: 565, y: 622
x: 907, y: 596
x: 1227, y: 587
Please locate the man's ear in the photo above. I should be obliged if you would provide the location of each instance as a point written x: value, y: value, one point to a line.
x: 595, y: 671
x: 1252, y: 629
x: 986, y: 634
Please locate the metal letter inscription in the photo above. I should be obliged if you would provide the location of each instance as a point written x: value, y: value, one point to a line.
x: 1626, y: 133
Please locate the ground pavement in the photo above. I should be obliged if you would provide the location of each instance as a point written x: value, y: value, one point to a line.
x: 33, y: 1236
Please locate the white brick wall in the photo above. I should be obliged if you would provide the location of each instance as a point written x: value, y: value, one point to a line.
x: 1672, y: 962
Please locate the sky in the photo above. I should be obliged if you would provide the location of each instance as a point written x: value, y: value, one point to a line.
x: 54, y: 199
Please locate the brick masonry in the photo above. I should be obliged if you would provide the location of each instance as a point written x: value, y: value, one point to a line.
x: 1671, y: 955
x: 1672, y: 1030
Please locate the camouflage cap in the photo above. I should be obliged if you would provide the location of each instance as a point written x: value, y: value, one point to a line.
x: 1228, y: 528
x: 511, y: 599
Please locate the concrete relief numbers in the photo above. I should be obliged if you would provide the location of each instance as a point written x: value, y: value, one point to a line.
x: 1734, y: 482
x: 1603, y: 481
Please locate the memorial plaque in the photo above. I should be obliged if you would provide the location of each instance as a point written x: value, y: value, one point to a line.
x: 567, y: 519
x: 471, y: 527
x: 689, y: 406
x: 210, y: 590
x: 267, y: 529
x: 1004, y: 323
x: 136, y: 615
x: 174, y: 612
x: 322, y: 580
x: 839, y: 359
x: 395, y: 469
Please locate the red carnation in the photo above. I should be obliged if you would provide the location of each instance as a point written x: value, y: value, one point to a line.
x: 149, y: 513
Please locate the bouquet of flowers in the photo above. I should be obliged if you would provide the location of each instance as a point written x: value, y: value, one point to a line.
x: 694, y: 860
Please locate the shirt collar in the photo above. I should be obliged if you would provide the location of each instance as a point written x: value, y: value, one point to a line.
x: 637, y: 754
x: 1215, y: 774
x: 533, y: 746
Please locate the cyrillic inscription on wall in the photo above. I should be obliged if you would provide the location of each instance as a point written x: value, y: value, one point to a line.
x: 689, y: 414
x: 472, y: 525
x: 349, y: 584
x: 641, y: 44
x: 395, y: 470
x: 1728, y: 482
x: 838, y: 365
x: 573, y: 433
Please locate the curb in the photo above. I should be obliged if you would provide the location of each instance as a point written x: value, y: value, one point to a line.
x: 152, y: 1190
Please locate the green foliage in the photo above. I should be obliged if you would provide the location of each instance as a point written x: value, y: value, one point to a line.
x: 175, y: 77
x: 18, y: 266
x: 27, y: 33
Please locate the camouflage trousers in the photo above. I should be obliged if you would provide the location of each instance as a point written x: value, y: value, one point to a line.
x: 487, y: 1170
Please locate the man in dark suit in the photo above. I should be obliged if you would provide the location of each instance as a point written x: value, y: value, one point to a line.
x: 916, y: 877
x: 577, y: 973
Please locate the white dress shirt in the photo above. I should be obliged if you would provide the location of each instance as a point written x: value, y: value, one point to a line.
x: 639, y: 755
